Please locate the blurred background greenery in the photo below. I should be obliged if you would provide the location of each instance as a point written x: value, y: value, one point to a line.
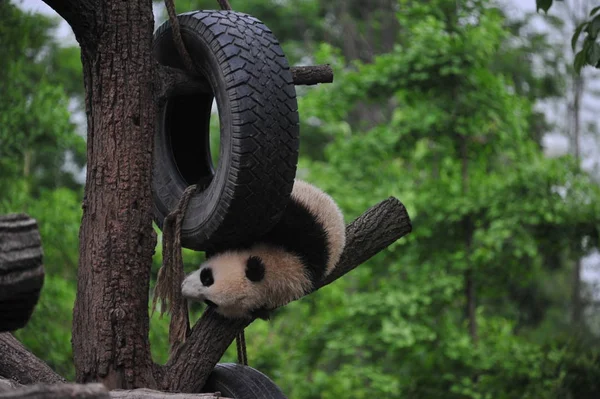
x: 467, y: 111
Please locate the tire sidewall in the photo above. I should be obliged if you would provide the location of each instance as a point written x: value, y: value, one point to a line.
x: 206, y: 61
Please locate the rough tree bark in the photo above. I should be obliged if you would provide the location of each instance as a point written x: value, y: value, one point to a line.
x: 110, y: 320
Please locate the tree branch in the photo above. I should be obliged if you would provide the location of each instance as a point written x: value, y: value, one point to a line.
x: 169, y: 80
x: 19, y: 364
x: 58, y: 391
x: 311, y: 75
x: 79, y: 14
x: 143, y: 393
x: 372, y: 232
x: 13, y: 390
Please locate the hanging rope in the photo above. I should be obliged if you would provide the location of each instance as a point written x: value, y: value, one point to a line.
x: 171, y: 274
x: 240, y: 341
x: 224, y: 4
x: 177, y: 39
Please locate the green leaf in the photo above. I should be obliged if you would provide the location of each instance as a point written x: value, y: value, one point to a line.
x: 577, y: 33
x: 594, y: 27
x: 579, y: 61
x: 593, y: 55
x: 594, y: 11
x: 543, y: 4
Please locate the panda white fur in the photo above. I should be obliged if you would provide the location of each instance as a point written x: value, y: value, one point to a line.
x: 285, y: 264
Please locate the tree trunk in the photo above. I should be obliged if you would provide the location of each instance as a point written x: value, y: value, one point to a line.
x: 576, y: 302
x: 110, y: 319
x: 471, y: 305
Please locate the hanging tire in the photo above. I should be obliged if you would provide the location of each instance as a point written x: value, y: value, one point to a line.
x: 245, y: 195
x: 241, y: 382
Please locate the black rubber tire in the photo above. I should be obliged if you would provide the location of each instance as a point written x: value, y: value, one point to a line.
x: 21, y: 270
x: 241, y: 382
x: 250, y: 77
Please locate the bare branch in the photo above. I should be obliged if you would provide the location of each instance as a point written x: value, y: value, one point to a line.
x: 311, y: 75
x: 169, y: 80
x: 58, y: 391
x: 11, y: 389
x: 377, y: 228
x: 19, y: 364
x: 79, y: 14
x: 143, y: 393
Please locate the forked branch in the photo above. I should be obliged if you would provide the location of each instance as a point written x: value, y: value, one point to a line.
x: 376, y: 229
x: 81, y: 15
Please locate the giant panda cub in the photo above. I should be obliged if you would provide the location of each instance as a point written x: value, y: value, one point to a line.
x: 285, y: 264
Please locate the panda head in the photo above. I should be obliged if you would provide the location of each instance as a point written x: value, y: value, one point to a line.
x: 232, y: 283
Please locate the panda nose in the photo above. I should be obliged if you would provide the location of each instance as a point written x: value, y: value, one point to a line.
x: 206, y: 277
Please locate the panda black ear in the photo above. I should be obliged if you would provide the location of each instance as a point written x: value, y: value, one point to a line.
x: 255, y: 269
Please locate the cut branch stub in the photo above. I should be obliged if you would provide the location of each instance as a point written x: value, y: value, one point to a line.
x: 21, y: 270
x: 372, y: 232
x: 312, y: 75
x: 169, y: 80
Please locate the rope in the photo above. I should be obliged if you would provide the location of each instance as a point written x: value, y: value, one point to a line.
x: 170, y: 275
x: 240, y: 341
x: 185, y: 56
x: 224, y: 4
x: 178, y: 40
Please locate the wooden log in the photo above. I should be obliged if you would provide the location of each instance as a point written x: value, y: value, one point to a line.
x: 8, y: 385
x: 21, y: 270
x: 14, y: 390
x: 58, y: 391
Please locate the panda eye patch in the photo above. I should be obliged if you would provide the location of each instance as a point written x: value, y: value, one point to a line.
x: 255, y: 269
x: 206, y: 277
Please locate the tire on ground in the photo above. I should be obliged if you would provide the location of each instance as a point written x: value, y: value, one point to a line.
x: 244, y: 196
x: 241, y: 382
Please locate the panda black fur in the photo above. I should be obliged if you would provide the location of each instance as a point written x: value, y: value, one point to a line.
x: 285, y: 264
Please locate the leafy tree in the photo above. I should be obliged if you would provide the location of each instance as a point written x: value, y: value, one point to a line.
x: 590, y: 50
x: 444, y: 313
x: 37, y: 79
x: 35, y: 132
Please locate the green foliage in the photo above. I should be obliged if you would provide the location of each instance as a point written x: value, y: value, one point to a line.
x: 48, y: 332
x: 35, y: 131
x: 442, y: 119
x: 590, y: 51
